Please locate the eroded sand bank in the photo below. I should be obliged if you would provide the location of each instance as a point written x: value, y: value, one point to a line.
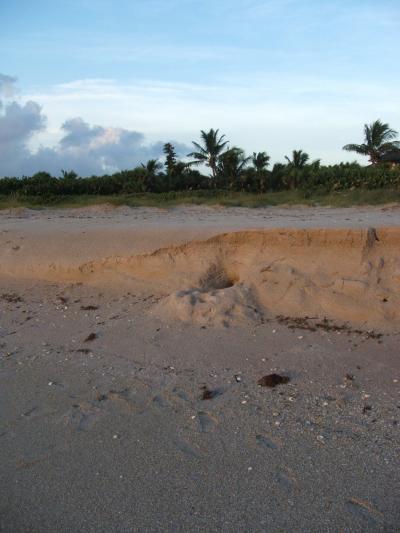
x: 221, y: 267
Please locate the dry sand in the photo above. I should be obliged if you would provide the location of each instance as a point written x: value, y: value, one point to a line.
x: 220, y: 266
x: 113, y: 320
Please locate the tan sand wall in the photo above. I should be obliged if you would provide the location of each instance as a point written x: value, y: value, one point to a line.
x: 342, y: 274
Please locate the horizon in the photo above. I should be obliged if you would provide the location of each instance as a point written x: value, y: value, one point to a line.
x: 94, y: 87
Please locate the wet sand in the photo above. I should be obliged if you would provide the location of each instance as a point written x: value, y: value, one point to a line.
x: 103, y: 425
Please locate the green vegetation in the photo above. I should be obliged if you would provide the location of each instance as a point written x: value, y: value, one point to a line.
x: 210, y: 198
x: 211, y: 151
x: 378, y: 141
x: 234, y: 179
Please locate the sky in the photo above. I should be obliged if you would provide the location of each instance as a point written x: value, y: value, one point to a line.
x: 100, y: 85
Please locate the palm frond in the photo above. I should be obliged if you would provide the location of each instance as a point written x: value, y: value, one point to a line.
x: 199, y: 147
x: 358, y: 148
x: 198, y: 155
x: 390, y: 146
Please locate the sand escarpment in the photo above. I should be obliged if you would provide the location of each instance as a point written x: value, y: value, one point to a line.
x: 341, y: 274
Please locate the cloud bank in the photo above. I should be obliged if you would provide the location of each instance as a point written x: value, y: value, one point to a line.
x: 87, y: 149
x: 267, y: 112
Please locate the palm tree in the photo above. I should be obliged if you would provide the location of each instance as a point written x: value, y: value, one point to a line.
x: 298, y: 167
x: 299, y: 159
x: 231, y: 165
x: 152, y: 166
x: 211, y: 150
x: 69, y: 174
x: 378, y: 139
x: 148, y: 176
x: 170, y: 158
x: 258, y: 175
x: 260, y: 161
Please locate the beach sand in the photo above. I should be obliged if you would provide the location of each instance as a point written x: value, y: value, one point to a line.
x: 132, y: 342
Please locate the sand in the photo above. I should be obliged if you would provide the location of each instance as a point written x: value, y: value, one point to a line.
x: 114, y: 320
x: 220, y: 267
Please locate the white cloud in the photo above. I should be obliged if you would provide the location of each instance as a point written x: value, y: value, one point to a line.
x: 19, y: 122
x: 267, y: 112
x: 83, y: 147
x: 271, y: 112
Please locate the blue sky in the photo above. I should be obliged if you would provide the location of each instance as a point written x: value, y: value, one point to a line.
x: 273, y: 75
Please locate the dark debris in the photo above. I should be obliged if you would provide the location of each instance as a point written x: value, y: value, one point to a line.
x: 272, y: 380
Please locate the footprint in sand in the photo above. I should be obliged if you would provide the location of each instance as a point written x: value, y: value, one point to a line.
x: 82, y: 417
x: 267, y: 442
x: 32, y: 411
x: 187, y: 449
x: 181, y: 394
x: 160, y: 401
x: 116, y: 399
x: 286, y: 480
x: 206, y: 422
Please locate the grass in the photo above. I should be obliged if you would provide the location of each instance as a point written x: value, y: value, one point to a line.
x: 223, y: 198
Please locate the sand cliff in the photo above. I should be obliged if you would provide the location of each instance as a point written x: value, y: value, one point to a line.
x: 341, y: 274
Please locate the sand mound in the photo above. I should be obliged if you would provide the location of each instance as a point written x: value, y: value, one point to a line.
x: 346, y: 275
x: 222, y: 307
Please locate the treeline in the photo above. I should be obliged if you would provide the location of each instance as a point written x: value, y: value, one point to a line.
x: 281, y: 177
x: 230, y: 169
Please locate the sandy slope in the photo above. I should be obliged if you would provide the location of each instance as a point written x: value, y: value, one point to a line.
x: 249, y: 271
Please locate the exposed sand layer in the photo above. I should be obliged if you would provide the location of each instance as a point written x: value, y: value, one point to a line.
x: 208, y: 277
x: 351, y: 275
